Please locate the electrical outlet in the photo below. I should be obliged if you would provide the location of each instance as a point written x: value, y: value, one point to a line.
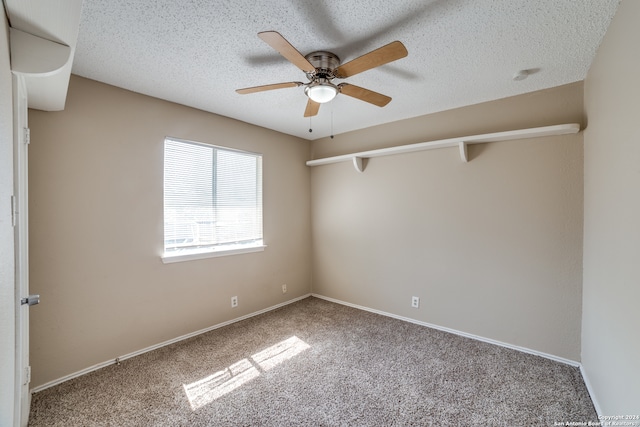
x: 284, y: 289
x: 415, y: 302
x: 234, y: 302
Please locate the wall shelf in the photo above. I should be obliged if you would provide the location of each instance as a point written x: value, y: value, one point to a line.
x: 460, y: 142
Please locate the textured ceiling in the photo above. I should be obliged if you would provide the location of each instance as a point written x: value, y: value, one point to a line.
x: 461, y: 52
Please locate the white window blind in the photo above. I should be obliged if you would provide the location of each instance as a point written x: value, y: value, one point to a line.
x: 212, y: 198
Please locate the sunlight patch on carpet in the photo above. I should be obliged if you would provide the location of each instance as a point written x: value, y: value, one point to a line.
x: 210, y: 388
x: 276, y: 354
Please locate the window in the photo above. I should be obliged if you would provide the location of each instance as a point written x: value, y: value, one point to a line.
x: 212, y: 201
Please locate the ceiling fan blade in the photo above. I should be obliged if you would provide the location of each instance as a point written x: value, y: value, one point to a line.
x: 312, y: 108
x: 286, y: 49
x: 383, y: 55
x: 365, y: 95
x: 267, y: 87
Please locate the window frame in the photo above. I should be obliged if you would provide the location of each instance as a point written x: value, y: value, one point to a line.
x: 219, y: 250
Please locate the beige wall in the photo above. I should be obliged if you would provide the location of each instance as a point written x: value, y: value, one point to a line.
x: 611, y: 325
x: 96, y: 172
x: 497, y: 238
x: 492, y: 247
x: 7, y: 293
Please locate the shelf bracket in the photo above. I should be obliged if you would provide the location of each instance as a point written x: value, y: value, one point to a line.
x: 359, y: 163
x: 34, y: 56
x: 464, y: 156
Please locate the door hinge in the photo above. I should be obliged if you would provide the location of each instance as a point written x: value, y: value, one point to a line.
x: 14, y: 211
x: 27, y: 375
x: 27, y: 136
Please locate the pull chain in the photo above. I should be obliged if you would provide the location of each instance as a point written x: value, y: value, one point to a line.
x: 310, y: 130
x: 331, y: 120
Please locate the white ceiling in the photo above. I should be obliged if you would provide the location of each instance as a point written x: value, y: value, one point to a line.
x: 461, y: 52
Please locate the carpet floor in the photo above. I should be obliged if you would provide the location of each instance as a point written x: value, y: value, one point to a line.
x: 317, y: 363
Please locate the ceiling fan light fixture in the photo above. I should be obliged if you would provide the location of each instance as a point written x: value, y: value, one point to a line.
x: 321, y: 92
x: 321, y: 67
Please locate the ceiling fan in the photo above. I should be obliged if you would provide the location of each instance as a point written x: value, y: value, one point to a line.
x: 322, y: 67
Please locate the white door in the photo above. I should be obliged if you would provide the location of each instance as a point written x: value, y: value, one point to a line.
x: 21, y: 238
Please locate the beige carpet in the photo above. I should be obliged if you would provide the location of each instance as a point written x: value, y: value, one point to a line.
x: 316, y: 363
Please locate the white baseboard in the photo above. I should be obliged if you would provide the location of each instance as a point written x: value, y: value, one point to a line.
x: 456, y: 332
x: 587, y: 383
x: 383, y: 313
x: 585, y: 378
x: 579, y: 365
x: 162, y: 344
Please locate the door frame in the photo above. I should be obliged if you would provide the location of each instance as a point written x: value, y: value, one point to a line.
x: 21, y: 244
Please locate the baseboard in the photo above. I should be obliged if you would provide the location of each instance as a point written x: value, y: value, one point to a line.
x: 587, y: 383
x: 579, y: 365
x: 456, y: 332
x: 383, y: 313
x: 162, y: 344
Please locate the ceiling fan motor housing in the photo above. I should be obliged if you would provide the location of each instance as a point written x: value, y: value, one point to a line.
x: 324, y: 62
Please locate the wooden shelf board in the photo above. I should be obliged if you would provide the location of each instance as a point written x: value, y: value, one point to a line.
x: 460, y: 142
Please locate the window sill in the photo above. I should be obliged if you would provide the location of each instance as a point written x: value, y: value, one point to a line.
x: 208, y: 253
